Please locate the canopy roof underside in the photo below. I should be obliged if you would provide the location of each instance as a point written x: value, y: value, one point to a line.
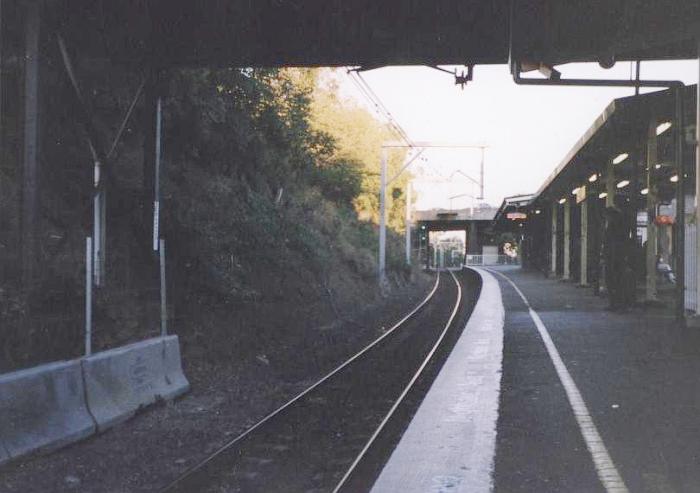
x: 372, y: 33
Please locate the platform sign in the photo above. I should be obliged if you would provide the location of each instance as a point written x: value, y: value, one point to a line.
x: 514, y: 216
x: 580, y: 194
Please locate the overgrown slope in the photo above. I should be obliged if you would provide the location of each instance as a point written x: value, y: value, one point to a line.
x: 269, y: 216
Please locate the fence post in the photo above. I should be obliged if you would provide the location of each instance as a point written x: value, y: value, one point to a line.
x: 88, y: 295
x: 163, y: 298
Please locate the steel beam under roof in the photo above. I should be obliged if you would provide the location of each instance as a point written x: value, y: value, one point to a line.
x: 371, y: 33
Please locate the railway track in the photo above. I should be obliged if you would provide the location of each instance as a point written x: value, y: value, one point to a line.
x: 337, y: 433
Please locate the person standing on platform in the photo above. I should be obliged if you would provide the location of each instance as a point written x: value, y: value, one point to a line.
x: 615, y: 255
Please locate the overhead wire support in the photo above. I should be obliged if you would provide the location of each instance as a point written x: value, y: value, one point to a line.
x: 374, y: 100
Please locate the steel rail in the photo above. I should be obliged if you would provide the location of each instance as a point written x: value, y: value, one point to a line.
x: 405, y: 392
x: 197, y: 467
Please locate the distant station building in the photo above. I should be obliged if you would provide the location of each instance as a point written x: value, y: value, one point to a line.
x: 626, y: 164
x: 509, y: 222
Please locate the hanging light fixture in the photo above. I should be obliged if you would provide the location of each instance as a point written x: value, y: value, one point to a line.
x: 663, y: 127
x: 620, y: 157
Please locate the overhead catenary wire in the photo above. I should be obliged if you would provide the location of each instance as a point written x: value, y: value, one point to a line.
x: 374, y: 101
x: 374, y: 95
x: 393, y: 125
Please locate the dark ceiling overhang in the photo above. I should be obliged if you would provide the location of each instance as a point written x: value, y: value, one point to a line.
x: 377, y: 33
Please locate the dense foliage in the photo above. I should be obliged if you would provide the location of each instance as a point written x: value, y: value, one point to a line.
x: 268, y: 164
x: 270, y: 196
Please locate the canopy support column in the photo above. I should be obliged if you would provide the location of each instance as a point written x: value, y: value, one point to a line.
x: 697, y: 181
x: 567, y: 241
x: 584, y: 243
x: 652, y: 242
x: 555, y: 211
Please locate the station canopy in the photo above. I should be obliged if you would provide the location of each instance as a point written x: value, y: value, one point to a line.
x: 373, y: 33
x: 619, y: 132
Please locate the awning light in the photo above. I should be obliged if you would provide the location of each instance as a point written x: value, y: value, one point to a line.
x: 658, y: 166
x: 674, y: 178
x: 575, y: 191
x: 644, y: 191
x: 623, y: 184
x: 602, y: 195
x: 593, y: 177
x: 561, y: 201
x: 538, y: 211
x: 663, y: 127
x: 620, y: 157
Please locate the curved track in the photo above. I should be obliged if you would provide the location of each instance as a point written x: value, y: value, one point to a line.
x: 320, y: 439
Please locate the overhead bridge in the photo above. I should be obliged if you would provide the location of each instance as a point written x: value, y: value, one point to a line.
x: 475, y: 222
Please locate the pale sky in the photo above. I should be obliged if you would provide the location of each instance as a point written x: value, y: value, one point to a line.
x: 528, y: 129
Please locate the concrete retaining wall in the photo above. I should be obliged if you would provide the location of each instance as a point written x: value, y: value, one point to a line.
x: 43, y: 408
x: 52, y: 405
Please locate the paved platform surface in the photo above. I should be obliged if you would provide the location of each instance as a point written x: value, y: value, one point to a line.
x: 637, y: 373
x: 450, y: 442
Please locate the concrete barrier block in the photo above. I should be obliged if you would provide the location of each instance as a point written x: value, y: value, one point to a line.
x: 175, y: 377
x: 43, y: 408
x: 120, y: 381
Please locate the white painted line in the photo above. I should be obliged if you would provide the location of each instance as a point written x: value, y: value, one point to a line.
x: 607, y: 472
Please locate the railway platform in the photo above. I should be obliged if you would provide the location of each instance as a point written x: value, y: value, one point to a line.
x: 589, y: 400
x: 450, y: 441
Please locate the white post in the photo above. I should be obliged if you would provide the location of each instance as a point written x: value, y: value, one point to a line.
x: 88, y: 295
x: 555, y: 211
x: 697, y: 181
x: 408, y: 223
x: 163, y: 299
x: 481, y: 175
x: 156, y: 191
x: 382, y: 218
x: 651, y: 249
x: 567, y: 239
x: 584, y: 242
x: 98, y: 214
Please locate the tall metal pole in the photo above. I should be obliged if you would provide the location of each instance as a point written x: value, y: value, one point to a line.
x: 408, y: 223
x: 555, y: 212
x: 98, y: 224
x: 88, y: 296
x: 584, y: 243
x: 163, y: 296
x: 481, y: 180
x: 156, y: 191
x: 566, y: 271
x: 679, y: 246
x: 697, y: 182
x: 382, y: 218
x: 652, y: 237
x: 31, y: 130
